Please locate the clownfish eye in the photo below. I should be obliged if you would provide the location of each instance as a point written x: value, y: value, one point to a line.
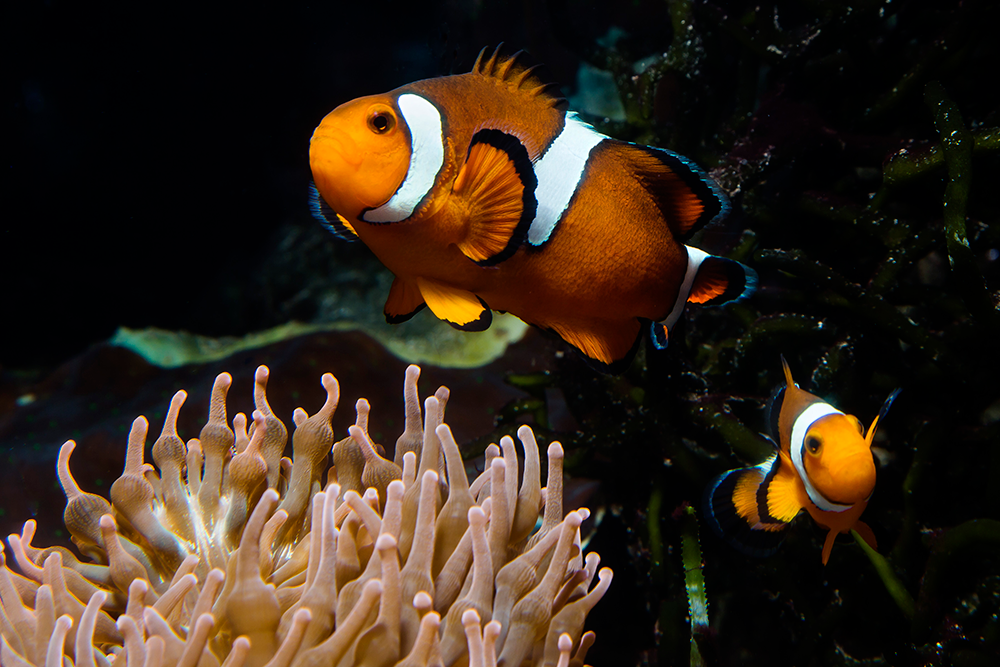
x: 381, y: 121
x: 812, y: 444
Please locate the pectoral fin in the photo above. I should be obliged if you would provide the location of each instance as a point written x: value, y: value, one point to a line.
x: 496, y: 186
x: 459, y: 308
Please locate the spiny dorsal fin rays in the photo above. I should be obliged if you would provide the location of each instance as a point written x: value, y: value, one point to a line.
x: 512, y: 70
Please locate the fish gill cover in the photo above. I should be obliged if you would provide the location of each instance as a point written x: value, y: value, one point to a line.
x: 858, y: 143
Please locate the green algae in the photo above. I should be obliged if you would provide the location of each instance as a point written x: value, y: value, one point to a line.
x: 892, y: 583
x: 439, y: 345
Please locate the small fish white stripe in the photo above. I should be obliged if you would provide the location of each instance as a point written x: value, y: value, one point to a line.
x: 800, y: 428
x: 426, y: 160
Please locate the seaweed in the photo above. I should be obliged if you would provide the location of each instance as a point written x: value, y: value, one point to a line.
x: 861, y: 196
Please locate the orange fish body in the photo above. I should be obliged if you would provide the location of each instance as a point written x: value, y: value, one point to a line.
x: 823, y: 465
x: 481, y: 192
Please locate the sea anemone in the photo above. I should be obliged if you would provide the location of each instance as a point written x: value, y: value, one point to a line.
x: 227, y: 553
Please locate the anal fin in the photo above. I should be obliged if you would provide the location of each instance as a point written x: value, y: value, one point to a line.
x: 496, y: 185
x: 404, y: 301
x: 608, y: 346
x: 459, y: 308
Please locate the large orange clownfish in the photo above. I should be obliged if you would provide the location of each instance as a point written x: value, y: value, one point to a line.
x: 482, y: 192
x: 823, y: 464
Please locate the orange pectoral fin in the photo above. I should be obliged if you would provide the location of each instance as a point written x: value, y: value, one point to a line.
x: 782, y: 494
x: 404, y: 301
x: 459, y: 308
x: 496, y: 185
x: 721, y: 280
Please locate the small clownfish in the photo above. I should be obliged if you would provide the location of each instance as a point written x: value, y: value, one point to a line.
x: 823, y: 464
x: 481, y: 192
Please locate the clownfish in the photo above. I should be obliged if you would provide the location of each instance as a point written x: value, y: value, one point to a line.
x: 823, y: 464
x: 482, y: 192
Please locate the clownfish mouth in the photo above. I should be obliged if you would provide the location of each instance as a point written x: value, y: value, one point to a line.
x: 327, y: 140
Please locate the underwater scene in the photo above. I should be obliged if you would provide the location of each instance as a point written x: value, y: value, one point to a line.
x: 654, y: 332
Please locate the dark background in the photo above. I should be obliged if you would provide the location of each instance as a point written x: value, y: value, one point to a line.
x: 151, y: 150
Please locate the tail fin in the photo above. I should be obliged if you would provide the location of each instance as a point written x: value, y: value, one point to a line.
x: 720, y: 280
x: 735, y: 508
x: 710, y: 281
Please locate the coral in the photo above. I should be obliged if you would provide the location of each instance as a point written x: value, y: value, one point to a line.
x: 225, y: 552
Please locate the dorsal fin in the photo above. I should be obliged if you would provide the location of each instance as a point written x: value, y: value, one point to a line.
x: 687, y: 197
x: 515, y: 70
x: 773, y: 412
